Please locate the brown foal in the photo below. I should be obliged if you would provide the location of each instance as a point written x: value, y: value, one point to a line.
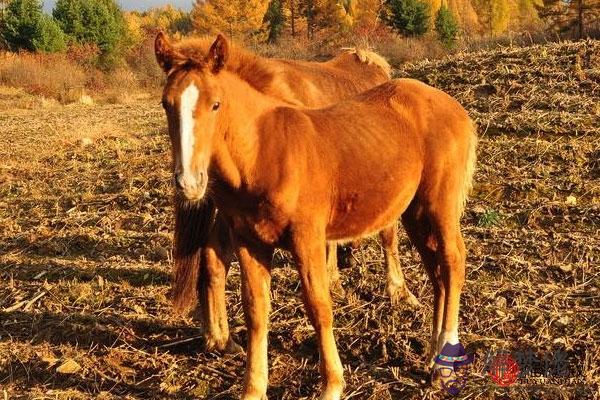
x: 294, y: 178
x: 203, y: 249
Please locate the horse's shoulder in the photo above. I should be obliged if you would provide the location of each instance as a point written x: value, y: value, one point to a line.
x: 283, y: 119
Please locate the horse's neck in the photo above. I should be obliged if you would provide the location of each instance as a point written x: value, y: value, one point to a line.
x: 239, y: 153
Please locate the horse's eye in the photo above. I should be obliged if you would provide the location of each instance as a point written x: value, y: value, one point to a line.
x: 216, y: 106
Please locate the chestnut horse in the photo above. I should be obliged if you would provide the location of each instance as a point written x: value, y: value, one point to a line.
x: 203, y: 249
x: 294, y: 178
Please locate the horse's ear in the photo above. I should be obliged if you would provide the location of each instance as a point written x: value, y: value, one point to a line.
x: 218, y: 54
x: 166, y: 56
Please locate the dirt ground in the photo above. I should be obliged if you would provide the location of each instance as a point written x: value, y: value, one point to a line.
x: 85, y: 233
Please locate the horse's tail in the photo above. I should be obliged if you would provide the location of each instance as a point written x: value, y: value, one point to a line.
x: 469, y: 167
x: 193, y: 223
x: 371, y: 58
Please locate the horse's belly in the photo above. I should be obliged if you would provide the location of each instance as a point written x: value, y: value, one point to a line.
x: 359, y: 215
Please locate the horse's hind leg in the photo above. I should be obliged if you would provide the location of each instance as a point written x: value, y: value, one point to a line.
x: 333, y: 270
x: 396, y: 284
x: 418, y: 228
x: 451, y: 258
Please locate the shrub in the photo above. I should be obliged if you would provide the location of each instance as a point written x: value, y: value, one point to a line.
x: 26, y: 27
x: 49, y: 75
x: 446, y: 26
x: 399, y: 50
x: 408, y: 17
x: 142, y: 61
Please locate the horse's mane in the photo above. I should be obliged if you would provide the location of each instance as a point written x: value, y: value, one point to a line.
x: 257, y: 71
x: 260, y: 71
x: 369, y: 57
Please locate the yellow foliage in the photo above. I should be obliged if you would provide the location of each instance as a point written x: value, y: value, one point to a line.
x: 462, y: 10
x: 367, y: 12
x: 236, y: 18
x: 499, y: 16
x: 167, y: 18
x: 359, y: 13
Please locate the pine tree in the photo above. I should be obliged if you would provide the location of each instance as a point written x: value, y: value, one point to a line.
x: 408, y: 17
x: 51, y: 38
x: 275, y: 20
x: 26, y: 27
x: 446, y: 26
x: 98, y: 22
x: 236, y: 18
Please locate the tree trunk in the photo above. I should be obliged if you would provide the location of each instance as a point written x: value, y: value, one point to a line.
x: 580, y: 20
x: 309, y: 18
x: 293, y: 16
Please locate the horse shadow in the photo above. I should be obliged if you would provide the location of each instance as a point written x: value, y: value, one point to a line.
x: 101, y: 334
x: 43, y: 269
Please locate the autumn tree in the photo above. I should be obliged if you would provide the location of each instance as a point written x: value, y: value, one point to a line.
x: 359, y: 15
x: 168, y: 18
x: 499, y: 16
x: 573, y: 17
x: 366, y: 14
x: 319, y: 15
x: 237, y: 18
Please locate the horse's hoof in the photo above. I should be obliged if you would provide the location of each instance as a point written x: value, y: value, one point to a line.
x: 214, y: 344
x: 331, y: 394
x: 233, y: 347
x: 253, y: 396
x: 401, y: 295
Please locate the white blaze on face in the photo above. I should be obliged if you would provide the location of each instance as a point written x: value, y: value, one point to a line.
x: 189, y: 98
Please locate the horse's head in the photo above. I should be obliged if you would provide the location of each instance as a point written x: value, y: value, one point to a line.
x: 192, y: 99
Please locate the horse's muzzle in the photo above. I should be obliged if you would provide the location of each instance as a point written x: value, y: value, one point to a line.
x: 193, y: 187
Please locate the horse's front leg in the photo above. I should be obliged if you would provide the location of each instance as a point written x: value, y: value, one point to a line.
x: 256, y: 281
x: 217, y: 256
x: 309, y: 250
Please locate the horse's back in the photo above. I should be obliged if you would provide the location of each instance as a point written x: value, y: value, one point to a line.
x: 319, y: 84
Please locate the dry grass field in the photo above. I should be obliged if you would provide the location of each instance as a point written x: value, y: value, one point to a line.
x: 85, y: 233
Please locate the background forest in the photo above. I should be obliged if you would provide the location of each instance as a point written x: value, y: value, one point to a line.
x: 105, y: 49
